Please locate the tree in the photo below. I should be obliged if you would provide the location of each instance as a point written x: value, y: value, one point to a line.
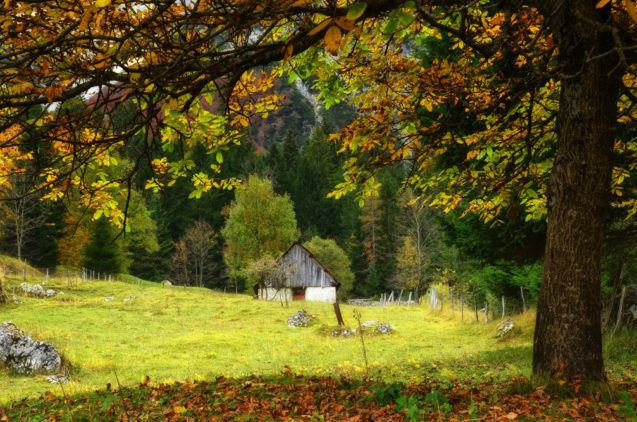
x: 104, y: 253
x: 22, y: 211
x: 191, y: 259
x: 542, y: 79
x: 259, y: 222
x: 335, y: 260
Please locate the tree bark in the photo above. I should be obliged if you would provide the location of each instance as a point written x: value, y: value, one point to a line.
x: 568, y: 337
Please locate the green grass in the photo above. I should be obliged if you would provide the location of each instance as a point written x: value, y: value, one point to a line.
x: 174, y: 333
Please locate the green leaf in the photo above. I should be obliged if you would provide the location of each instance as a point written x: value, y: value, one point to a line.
x: 219, y: 157
x: 356, y: 11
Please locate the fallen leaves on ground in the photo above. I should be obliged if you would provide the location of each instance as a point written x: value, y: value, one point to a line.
x: 293, y: 397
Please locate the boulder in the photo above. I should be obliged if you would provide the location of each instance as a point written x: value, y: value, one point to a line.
x: 300, y: 319
x: 16, y: 300
x: 166, y: 283
x: 505, y: 328
x: 25, y: 355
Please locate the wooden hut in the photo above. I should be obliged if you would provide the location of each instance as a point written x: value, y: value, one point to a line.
x: 301, y: 277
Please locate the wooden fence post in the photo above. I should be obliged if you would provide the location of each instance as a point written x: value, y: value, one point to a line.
x: 339, y: 316
x: 620, y: 310
x: 475, y: 306
x: 47, y: 275
x: 503, y: 307
x: 409, y: 300
x: 486, y: 311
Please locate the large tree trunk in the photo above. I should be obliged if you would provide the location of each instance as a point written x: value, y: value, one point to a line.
x: 568, y: 337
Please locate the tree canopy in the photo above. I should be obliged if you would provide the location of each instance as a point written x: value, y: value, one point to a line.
x: 532, y: 106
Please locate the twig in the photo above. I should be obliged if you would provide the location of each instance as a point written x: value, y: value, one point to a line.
x: 357, y: 317
x: 66, y: 400
x: 120, y: 394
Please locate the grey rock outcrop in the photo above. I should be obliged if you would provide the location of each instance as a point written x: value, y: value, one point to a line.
x: 24, y: 355
x: 300, y: 319
x: 36, y: 290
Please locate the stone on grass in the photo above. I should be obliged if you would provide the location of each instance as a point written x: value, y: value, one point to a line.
x: 57, y: 379
x: 384, y: 329
x: 342, y: 332
x: 300, y: 319
x: 32, y: 289
x: 109, y: 299
x: 128, y: 298
x: 505, y: 328
x: 50, y: 293
x: 166, y: 283
x: 16, y: 300
x: 24, y: 355
x: 368, y: 323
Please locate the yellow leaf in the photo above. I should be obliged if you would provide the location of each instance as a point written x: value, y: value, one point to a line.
x: 512, y: 415
x: 301, y: 3
x: 333, y: 39
x: 102, y: 3
x: 318, y: 28
x: 179, y: 409
x: 601, y: 3
x: 631, y: 9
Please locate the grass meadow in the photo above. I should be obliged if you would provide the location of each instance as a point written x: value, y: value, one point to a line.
x: 176, y: 333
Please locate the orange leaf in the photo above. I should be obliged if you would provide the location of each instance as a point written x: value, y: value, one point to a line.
x: 289, y: 49
x: 511, y: 416
x: 333, y: 39
x: 601, y: 3
x: 318, y: 28
x: 631, y: 9
x: 346, y: 24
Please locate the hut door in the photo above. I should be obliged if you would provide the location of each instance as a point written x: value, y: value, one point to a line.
x: 298, y: 294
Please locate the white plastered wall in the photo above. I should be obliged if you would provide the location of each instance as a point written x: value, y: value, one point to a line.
x: 321, y: 294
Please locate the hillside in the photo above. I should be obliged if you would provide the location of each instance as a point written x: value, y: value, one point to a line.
x: 176, y: 333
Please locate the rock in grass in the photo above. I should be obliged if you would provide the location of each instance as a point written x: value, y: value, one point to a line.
x: 25, y: 355
x: 57, y: 379
x: 16, y: 300
x: 36, y: 290
x: 384, y: 329
x: 166, y: 283
x: 300, y: 319
x: 109, y: 299
x: 504, y: 329
x: 129, y: 298
x: 342, y: 332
